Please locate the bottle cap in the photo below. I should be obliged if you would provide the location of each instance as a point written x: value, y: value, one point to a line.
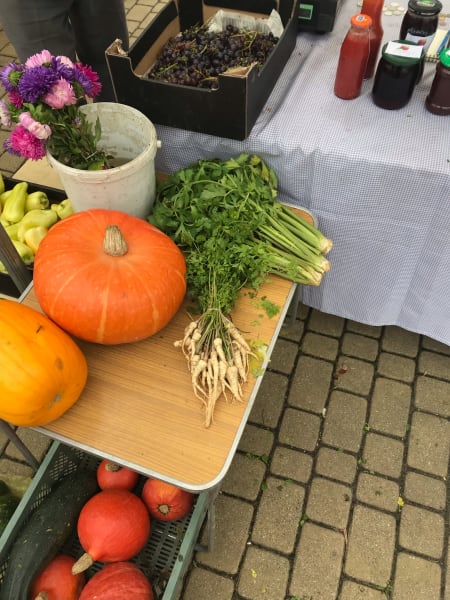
x: 425, y: 7
x: 444, y: 57
x: 362, y: 21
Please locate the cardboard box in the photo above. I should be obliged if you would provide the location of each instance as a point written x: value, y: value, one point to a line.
x: 229, y: 111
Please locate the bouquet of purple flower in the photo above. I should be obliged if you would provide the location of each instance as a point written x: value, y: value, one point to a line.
x: 43, y: 98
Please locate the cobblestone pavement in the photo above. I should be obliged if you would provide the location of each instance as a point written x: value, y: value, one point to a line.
x: 338, y: 490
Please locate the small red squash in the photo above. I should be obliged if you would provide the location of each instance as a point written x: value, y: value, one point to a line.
x: 43, y: 371
x: 118, y: 581
x: 112, y: 475
x: 108, y: 277
x: 166, y: 502
x: 56, y: 581
x: 113, y: 526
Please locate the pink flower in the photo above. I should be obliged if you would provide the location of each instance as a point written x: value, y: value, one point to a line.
x: 39, y: 130
x: 15, y: 98
x: 65, y: 60
x: 61, y: 94
x: 25, y: 144
x: 36, y: 60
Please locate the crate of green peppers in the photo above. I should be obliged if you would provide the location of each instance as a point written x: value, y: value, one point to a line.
x: 27, y: 211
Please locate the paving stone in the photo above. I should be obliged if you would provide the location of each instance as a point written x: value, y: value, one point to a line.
x: 299, y: 429
x: 357, y: 591
x: 283, y: 356
x: 292, y: 329
x: 434, y: 365
x: 269, y: 400
x: 204, y: 585
x: 264, y: 574
x: 232, y: 525
x: 377, y: 491
x: 425, y: 490
x: 400, y: 341
x: 390, y: 404
x: 256, y: 440
x: 433, y: 395
x: 396, y: 367
x: 374, y: 331
x: 291, y: 464
x: 422, y: 531
x: 370, y: 548
x: 447, y: 578
x: 320, y: 345
x: 429, y: 444
x: 329, y: 502
x: 353, y: 375
x: 336, y: 464
x: 326, y: 324
x: 317, y: 564
x: 434, y: 345
x: 278, y: 515
x: 359, y: 346
x: 311, y: 384
x: 416, y: 578
x: 383, y: 455
x: 344, y: 421
x: 244, y: 477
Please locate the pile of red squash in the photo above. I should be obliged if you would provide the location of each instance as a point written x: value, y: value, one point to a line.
x: 113, y: 526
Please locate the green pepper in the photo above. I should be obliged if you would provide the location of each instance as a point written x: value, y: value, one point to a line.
x: 14, y: 208
x: 34, y: 236
x: 12, y: 230
x: 26, y: 254
x: 4, y: 195
x: 63, y: 209
x: 2, y: 184
x: 36, y: 218
x: 36, y: 200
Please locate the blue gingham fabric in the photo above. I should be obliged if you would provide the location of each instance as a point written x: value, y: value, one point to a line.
x: 378, y: 182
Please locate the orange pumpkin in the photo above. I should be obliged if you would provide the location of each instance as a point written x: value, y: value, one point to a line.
x: 165, y: 501
x: 43, y: 371
x: 57, y: 581
x: 107, y: 277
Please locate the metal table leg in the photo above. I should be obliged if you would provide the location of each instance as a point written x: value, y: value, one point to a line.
x: 210, y: 522
x: 14, y: 438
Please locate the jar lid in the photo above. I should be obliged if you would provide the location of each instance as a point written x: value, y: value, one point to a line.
x: 425, y: 7
x: 400, y: 58
x: 361, y: 21
x: 444, y: 57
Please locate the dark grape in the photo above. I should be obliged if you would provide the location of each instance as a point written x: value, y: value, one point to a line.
x: 196, y: 57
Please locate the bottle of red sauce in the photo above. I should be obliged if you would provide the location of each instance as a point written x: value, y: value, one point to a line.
x: 353, y: 58
x: 374, y: 9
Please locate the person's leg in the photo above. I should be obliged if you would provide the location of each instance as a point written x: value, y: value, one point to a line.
x: 35, y: 25
x: 97, y: 23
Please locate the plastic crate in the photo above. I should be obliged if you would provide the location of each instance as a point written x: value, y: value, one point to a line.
x: 169, y: 550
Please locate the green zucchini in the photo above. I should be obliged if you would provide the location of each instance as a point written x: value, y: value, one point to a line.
x: 45, y: 533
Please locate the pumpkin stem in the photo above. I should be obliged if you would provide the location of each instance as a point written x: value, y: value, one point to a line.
x: 114, y: 243
x: 42, y: 596
x: 84, y: 562
x: 113, y: 467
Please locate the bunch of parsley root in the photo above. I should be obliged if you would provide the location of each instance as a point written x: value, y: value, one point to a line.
x: 225, y: 217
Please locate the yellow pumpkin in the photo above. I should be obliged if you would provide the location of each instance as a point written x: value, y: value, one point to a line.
x: 42, y: 370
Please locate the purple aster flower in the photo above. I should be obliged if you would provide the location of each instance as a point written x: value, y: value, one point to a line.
x: 10, y: 75
x: 64, y: 67
x: 23, y: 143
x: 36, y: 82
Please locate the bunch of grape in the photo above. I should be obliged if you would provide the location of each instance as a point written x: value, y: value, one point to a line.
x: 196, y: 57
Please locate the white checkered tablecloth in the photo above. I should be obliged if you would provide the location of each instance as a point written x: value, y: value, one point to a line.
x: 378, y: 181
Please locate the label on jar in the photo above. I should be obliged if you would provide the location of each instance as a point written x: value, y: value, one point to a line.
x: 422, y: 40
x: 404, y: 50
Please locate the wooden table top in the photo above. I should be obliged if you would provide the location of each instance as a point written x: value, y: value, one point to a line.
x: 138, y: 407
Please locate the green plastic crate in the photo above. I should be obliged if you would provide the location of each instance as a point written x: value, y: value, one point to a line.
x: 169, y: 550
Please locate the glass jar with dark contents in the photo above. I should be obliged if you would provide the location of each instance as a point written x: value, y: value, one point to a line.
x: 396, y: 74
x: 421, y: 22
